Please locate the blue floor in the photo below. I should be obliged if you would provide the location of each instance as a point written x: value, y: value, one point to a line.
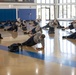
x: 63, y: 61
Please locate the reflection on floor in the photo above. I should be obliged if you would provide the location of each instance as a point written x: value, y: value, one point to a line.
x: 58, y: 57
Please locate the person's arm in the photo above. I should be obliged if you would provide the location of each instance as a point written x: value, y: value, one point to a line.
x: 39, y: 48
x: 42, y: 42
x: 74, y: 21
x: 65, y: 28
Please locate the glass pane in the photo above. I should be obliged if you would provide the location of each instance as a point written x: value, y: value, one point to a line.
x: 68, y: 11
x: 43, y: 1
x: 68, y: 1
x: 20, y: 0
x: 64, y: 1
x: 38, y: 1
x: 47, y: 1
x: 51, y: 1
x: 73, y: 11
x: 43, y: 13
x: 64, y: 11
x: 47, y: 14
x: 73, y: 1
x: 52, y: 12
x: 38, y: 12
x: 60, y: 11
x: 60, y: 1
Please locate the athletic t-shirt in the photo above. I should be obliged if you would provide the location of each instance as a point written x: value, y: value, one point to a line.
x: 37, y: 39
x: 37, y: 28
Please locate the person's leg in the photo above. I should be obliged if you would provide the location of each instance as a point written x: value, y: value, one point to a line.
x: 51, y: 30
x: 47, y: 26
x: 29, y: 42
x: 16, y: 28
x: 59, y: 26
x: 72, y: 36
x: 10, y: 29
x: 69, y: 27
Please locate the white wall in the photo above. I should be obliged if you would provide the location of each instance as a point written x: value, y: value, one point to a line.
x: 17, y: 5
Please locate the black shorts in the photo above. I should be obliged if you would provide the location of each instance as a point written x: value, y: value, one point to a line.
x: 30, y: 42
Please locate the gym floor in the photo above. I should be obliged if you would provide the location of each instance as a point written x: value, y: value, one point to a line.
x: 58, y: 57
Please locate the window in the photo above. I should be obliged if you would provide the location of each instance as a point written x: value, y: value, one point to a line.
x: 64, y: 1
x: 20, y: 0
x: 60, y: 1
x: 39, y: 12
x: 43, y: 1
x: 52, y: 12
x: 38, y: 1
x: 47, y: 1
x: 60, y: 11
x: 51, y: 1
x: 73, y: 1
x: 68, y: 1
x: 73, y: 11
x: 68, y: 11
x: 64, y: 12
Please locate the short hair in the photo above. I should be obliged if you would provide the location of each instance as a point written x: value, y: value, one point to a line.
x: 42, y: 36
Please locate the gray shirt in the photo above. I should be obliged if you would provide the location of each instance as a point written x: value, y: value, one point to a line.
x: 37, y: 39
x: 37, y: 28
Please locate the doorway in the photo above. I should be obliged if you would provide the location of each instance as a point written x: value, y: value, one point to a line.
x: 44, y: 13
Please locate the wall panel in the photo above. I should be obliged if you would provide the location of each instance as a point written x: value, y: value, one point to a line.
x: 7, y: 14
x: 27, y: 14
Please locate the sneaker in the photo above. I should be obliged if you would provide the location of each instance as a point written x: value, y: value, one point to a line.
x: 1, y: 37
x: 64, y: 37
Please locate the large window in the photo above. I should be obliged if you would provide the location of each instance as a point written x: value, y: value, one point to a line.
x: 52, y: 12
x: 68, y: 1
x: 73, y: 11
x: 47, y: 1
x: 45, y: 12
x: 64, y: 9
x: 64, y: 1
x: 68, y: 11
x: 38, y: 1
x: 43, y: 1
x: 51, y: 1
